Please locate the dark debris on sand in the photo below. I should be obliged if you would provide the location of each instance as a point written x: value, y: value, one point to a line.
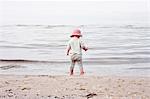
x: 90, y: 95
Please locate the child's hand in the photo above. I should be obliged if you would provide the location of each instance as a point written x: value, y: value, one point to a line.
x: 85, y: 48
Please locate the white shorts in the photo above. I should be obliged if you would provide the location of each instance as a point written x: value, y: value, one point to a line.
x: 76, y: 58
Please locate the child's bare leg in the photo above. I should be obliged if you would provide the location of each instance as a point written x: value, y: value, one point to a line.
x: 81, y: 71
x: 81, y: 67
x: 72, y: 67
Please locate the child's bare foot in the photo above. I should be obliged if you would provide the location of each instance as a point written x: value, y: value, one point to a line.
x: 71, y: 74
x: 82, y: 73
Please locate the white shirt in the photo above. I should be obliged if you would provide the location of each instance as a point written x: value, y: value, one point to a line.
x: 76, y: 45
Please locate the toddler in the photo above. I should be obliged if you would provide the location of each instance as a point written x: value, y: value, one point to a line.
x: 74, y: 49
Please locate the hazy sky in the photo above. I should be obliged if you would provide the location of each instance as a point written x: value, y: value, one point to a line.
x: 74, y: 12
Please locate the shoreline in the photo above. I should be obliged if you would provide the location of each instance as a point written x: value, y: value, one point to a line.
x: 73, y: 87
x: 17, y: 68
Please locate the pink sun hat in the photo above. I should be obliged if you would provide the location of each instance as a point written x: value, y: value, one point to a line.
x: 76, y: 32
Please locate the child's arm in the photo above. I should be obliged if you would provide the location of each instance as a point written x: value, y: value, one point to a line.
x: 83, y: 46
x: 68, y: 49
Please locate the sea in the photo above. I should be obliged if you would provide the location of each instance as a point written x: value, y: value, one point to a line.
x: 41, y: 49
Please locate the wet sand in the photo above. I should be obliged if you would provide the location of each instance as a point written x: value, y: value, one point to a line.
x: 73, y: 87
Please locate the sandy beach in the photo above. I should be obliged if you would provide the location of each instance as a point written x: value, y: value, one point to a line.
x: 73, y: 87
x: 35, y: 36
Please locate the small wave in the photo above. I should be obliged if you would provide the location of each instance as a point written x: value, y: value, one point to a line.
x: 119, y: 60
x: 53, y: 26
x: 135, y: 27
x: 31, y: 61
x: 38, y: 25
x: 17, y: 47
x: 120, y: 46
x: 140, y: 68
x: 52, y: 45
x: 97, y: 61
x: 36, y: 46
x: 123, y: 53
x: 17, y: 60
x: 44, y: 26
x: 82, y: 26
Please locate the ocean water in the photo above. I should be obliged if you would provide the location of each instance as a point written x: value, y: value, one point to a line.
x: 40, y: 49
